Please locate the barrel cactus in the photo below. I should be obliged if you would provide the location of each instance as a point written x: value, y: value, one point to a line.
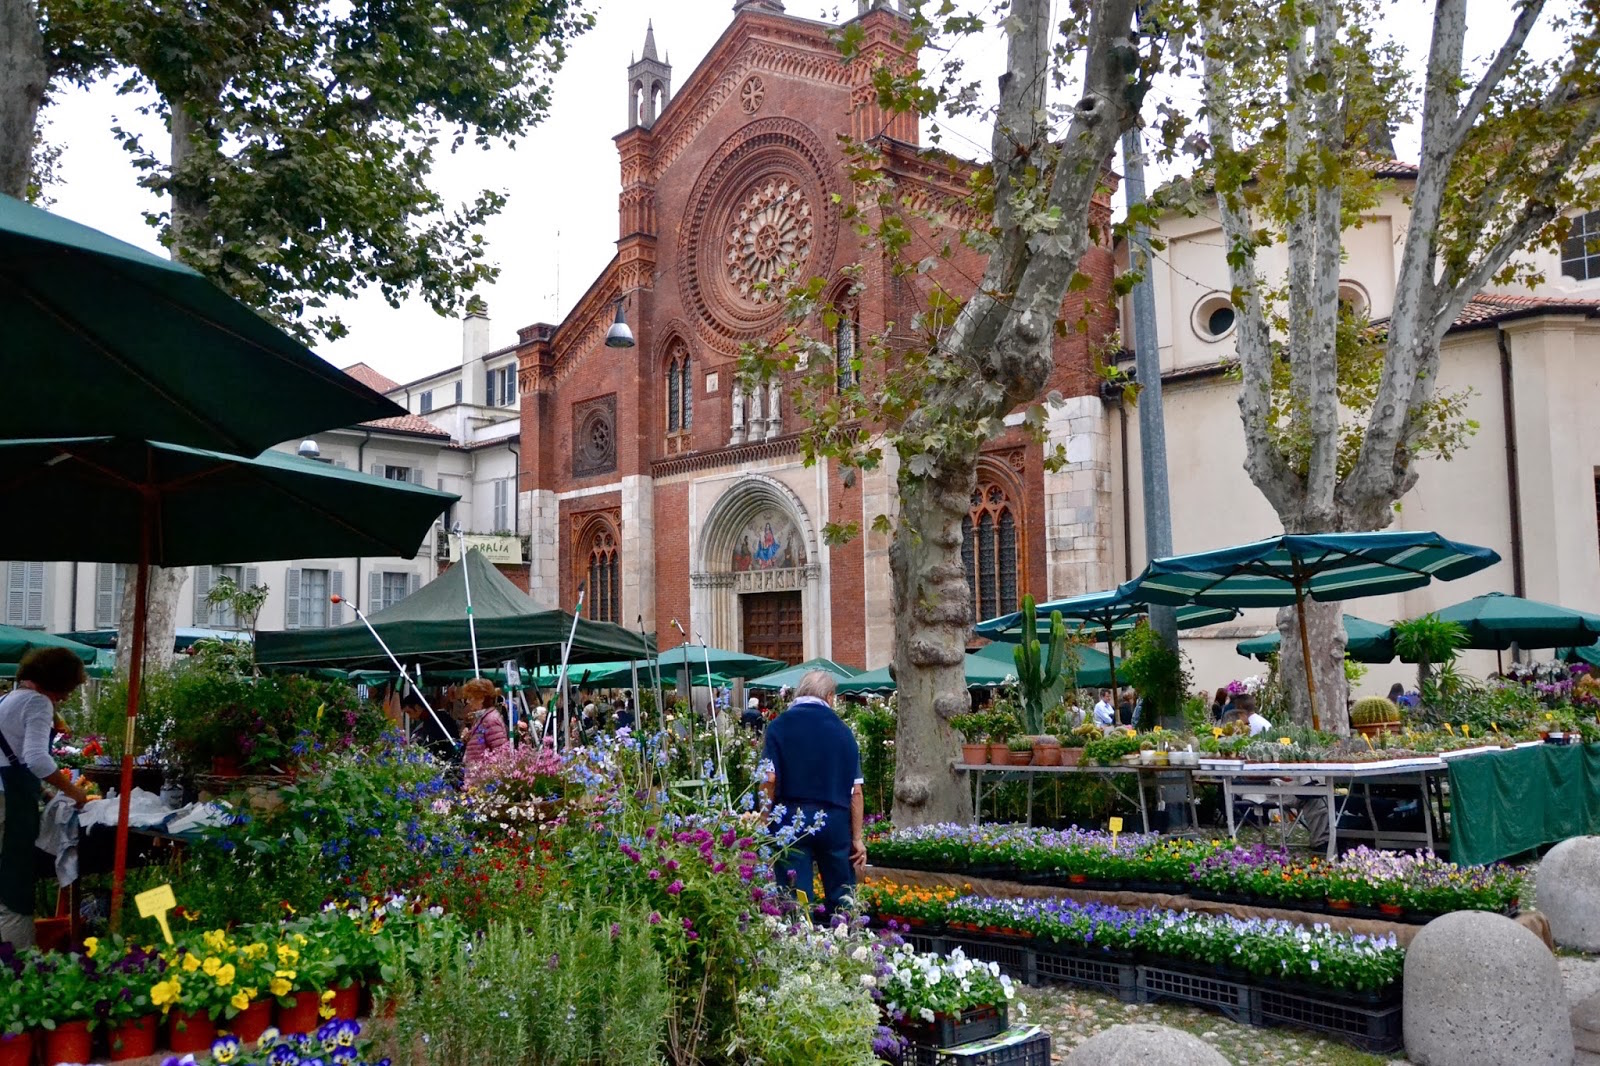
x: 1374, y: 710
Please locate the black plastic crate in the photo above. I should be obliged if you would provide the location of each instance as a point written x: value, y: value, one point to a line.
x: 1034, y: 1051
x: 974, y: 1024
x: 1376, y: 1029
x: 1014, y: 959
x: 1118, y: 978
x: 925, y: 942
x: 1230, y: 997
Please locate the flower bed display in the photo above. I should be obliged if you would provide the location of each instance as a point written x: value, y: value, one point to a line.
x: 939, y: 1002
x: 1413, y: 887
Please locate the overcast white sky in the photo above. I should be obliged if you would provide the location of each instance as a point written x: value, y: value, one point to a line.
x: 559, y: 227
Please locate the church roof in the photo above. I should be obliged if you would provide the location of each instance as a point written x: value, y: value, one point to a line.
x: 1488, y: 309
x: 371, y: 378
x: 650, y: 41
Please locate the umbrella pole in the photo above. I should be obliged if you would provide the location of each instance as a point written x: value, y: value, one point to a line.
x: 563, y: 685
x: 416, y: 685
x: 1499, y: 663
x: 1305, y: 652
x: 1111, y: 657
x: 141, y: 604
x: 716, y: 724
x: 466, y: 578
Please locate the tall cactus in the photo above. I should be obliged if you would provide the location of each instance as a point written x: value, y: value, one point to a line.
x: 1043, y: 678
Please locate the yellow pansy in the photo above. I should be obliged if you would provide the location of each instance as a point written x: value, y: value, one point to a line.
x: 255, y: 951
x: 280, y: 987
x: 164, y: 994
x: 216, y: 941
x: 239, y: 1001
x: 327, y: 997
x: 91, y: 944
x: 224, y: 975
x: 287, y: 954
x: 211, y: 965
x: 190, y: 964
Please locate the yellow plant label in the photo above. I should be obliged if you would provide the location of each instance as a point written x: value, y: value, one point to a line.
x: 155, y: 904
x: 1115, y: 824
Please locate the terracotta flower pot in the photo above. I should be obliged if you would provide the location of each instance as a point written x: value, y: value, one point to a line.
x: 135, y: 1038
x: 999, y: 754
x: 1393, y: 910
x: 301, y: 1015
x: 190, y: 1030
x: 68, y: 1042
x: 1021, y: 758
x: 1339, y: 904
x: 16, y: 1049
x: 1071, y: 756
x: 974, y: 754
x: 1046, y: 751
x: 250, y: 1023
x: 347, y: 1002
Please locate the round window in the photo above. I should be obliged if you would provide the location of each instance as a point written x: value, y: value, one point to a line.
x: 1214, y: 317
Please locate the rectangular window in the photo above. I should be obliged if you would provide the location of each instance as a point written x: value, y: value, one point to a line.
x: 1580, y: 252
x: 502, y: 505
x: 222, y: 615
x: 502, y: 386
x: 110, y: 583
x: 398, y: 473
x: 458, y: 392
x: 393, y: 586
x: 313, y: 599
x: 426, y: 403
x: 25, y: 595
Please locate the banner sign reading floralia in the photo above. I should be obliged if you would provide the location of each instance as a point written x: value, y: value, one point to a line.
x: 502, y: 551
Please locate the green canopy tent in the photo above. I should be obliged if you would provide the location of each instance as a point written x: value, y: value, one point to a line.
x: 112, y: 340
x: 791, y: 677
x: 1365, y: 642
x: 429, y: 627
x: 15, y: 643
x: 1497, y: 621
x: 1095, y: 667
x: 1282, y: 571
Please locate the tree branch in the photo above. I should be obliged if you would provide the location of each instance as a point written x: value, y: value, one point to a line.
x: 1496, y: 71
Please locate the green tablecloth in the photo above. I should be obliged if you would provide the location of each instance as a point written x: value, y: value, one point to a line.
x: 1506, y: 802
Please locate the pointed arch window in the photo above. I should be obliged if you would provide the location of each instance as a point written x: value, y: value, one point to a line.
x: 603, y: 575
x: 846, y: 343
x: 989, y: 549
x: 680, y: 400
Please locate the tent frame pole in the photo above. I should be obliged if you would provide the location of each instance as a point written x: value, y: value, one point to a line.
x: 1305, y: 653
x: 466, y: 578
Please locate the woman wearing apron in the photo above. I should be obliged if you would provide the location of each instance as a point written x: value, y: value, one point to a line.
x: 45, y: 677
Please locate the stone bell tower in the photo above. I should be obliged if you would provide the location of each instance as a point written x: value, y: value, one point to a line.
x: 649, y: 83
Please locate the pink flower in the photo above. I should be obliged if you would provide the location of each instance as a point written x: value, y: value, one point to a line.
x: 675, y: 888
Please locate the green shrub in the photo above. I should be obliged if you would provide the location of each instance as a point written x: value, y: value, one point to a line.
x: 577, y: 986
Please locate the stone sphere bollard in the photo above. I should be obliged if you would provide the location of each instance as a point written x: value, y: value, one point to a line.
x: 1569, y: 893
x: 1481, y: 989
x: 1145, y: 1045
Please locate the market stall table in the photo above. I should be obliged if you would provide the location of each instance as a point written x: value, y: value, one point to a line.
x: 1115, y: 776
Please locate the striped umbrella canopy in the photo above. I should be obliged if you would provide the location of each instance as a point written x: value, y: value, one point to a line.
x: 1365, y: 642
x: 1284, y: 570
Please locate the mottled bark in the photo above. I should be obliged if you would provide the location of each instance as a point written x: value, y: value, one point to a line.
x: 1003, y: 334
x: 1325, y: 631
x: 24, y: 75
x: 161, y: 617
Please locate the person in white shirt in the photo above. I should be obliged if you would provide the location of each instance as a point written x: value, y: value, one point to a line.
x: 1104, y: 713
x: 1258, y: 724
x: 45, y: 677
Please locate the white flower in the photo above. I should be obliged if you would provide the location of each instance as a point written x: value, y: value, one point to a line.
x: 927, y: 1015
x: 868, y: 981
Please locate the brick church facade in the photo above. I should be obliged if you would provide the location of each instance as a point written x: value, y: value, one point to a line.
x: 650, y: 475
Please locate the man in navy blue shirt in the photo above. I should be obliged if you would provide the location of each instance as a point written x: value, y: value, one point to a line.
x: 816, y: 771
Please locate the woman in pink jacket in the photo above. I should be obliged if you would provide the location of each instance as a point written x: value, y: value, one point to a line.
x: 485, y: 729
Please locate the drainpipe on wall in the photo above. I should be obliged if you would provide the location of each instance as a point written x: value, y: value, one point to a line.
x: 1508, y: 400
x: 361, y: 468
x: 516, y: 485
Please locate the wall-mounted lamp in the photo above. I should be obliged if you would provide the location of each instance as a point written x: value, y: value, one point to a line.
x: 619, y: 335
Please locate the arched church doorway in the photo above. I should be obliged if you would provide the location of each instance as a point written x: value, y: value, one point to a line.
x: 758, y: 577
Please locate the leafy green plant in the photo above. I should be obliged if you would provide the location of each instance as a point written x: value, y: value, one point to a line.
x: 1426, y: 641
x: 973, y: 727
x: 1043, y: 674
x: 1156, y: 671
x: 1109, y: 750
x: 874, y: 726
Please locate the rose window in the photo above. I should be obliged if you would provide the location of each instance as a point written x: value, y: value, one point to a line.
x: 770, y: 236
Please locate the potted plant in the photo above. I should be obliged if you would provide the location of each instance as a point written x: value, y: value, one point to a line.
x: 127, y: 974
x: 943, y: 1001
x: 1045, y: 671
x: 1001, y: 727
x: 1074, y: 743
x: 20, y: 995
x: 1020, y: 750
x: 1374, y: 715
x: 66, y: 1005
x: 975, y: 740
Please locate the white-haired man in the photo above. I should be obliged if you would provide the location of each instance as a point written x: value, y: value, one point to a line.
x: 816, y: 771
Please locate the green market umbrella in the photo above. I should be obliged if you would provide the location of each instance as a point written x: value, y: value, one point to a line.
x: 982, y: 671
x: 1365, y: 642
x: 1106, y: 614
x: 791, y: 677
x: 1495, y: 620
x: 113, y: 500
x: 1284, y: 570
x: 15, y: 643
x: 111, y: 340
x: 698, y: 658
x: 430, y: 627
x: 1095, y: 668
